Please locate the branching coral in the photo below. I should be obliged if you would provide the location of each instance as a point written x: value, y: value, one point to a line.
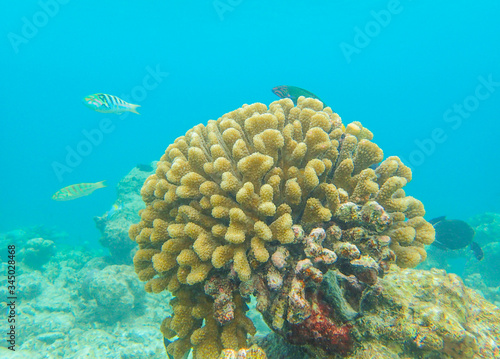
x: 265, y: 201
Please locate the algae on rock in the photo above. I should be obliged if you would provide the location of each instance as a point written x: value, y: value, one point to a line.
x: 417, y: 314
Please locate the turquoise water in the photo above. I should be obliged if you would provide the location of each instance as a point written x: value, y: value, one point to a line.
x: 423, y: 76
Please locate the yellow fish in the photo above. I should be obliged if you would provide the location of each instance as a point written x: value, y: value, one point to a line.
x: 77, y: 190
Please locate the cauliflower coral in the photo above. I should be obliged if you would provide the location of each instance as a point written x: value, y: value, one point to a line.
x: 265, y: 201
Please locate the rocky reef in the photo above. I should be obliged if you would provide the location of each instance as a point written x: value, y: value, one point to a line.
x: 429, y: 314
x: 481, y: 275
x: 114, y: 224
x: 280, y: 203
x: 74, y: 304
x: 36, y: 244
x: 37, y: 251
x: 414, y: 314
x: 487, y: 227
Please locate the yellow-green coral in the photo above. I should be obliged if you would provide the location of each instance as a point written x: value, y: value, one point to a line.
x: 433, y: 313
x: 224, y: 193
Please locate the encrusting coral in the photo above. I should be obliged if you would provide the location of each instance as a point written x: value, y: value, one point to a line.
x: 266, y: 201
x: 411, y: 314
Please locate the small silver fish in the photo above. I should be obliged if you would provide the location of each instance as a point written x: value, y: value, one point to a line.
x: 114, y: 209
x: 105, y: 103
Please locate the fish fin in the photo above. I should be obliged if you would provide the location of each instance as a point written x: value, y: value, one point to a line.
x: 439, y: 245
x: 477, y: 250
x: 437, y: 220
x: 101, y: 184
x: 133, y: 108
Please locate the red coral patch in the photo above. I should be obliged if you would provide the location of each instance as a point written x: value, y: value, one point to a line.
x: 322, y: 331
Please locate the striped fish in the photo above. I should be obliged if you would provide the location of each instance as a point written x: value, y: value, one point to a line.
x: 292, y: 92
x: 77, y: 190
x: 105, y: 103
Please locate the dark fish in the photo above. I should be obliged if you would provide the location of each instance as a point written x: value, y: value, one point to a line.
x: 375, y: 166
x: 293, y: 93
x: 476, y: 249
x: 166, y: 342
x: 144, y: 168
x: 455, y: 234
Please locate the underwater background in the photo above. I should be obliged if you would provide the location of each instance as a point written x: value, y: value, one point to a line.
x: 400, y: 83
x: 423, y: 76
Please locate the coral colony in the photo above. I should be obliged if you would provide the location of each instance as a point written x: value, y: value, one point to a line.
x: 280, y: 203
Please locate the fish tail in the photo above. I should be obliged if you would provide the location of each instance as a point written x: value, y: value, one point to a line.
x: 101, y: 184
x: 133, y: 108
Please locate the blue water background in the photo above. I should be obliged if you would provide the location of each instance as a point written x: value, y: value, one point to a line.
x: 400, y: 81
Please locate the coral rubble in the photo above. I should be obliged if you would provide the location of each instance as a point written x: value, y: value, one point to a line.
x: 78, y: 306
x: 265, y: 202
x: 37, y: 251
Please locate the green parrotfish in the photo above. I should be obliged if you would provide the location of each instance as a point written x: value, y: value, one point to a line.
x: 293, y: 93
x: 105, y: 103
